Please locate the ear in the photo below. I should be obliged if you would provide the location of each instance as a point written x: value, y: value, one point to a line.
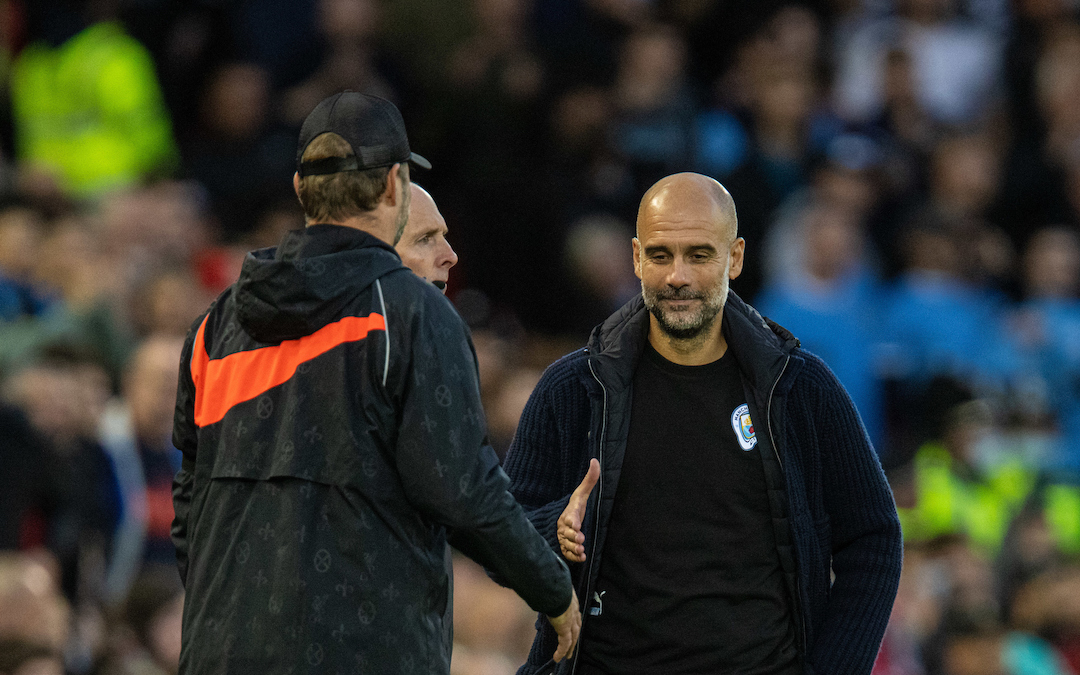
x: 390, y: 196
x: 637, y: 256
x: 736, y: 258
x: 296, y: 183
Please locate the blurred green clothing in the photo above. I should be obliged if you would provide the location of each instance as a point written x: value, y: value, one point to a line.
x: 91, y: 112
x: 952, y: 500
x: 1061, y: 510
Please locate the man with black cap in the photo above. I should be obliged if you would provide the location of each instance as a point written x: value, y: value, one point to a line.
x: 329, y: 416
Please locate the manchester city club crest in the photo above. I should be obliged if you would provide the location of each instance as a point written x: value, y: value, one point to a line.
x: 744, y: 427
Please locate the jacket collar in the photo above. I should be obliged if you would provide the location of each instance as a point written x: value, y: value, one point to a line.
x: 761, y: 347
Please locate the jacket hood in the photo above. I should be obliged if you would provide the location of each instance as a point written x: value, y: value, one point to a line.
x: 761, y: 346
x: 303, y: 284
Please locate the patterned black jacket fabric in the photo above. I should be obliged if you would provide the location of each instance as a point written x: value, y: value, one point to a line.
x: 833, y: 511
x: 329, y: 416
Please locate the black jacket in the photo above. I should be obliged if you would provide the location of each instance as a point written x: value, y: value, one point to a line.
x: 333, y: 439
x: 833, y: 511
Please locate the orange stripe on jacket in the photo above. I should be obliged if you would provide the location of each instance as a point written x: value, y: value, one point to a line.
x: 222, y: 383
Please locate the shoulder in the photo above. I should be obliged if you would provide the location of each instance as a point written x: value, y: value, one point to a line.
x: 570, y: 371
x: 814, y: 379
x: 415, y: 301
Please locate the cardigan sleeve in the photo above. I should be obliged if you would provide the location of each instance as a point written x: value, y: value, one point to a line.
x: 865, y: 539
x: 550, y: 452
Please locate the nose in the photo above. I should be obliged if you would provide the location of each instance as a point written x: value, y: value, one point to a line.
x: 679, y: 274
x: 447, y: 257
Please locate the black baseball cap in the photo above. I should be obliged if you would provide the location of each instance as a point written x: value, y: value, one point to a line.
x: 371, y: 125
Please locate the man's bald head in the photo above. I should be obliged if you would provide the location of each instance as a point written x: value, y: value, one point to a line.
x: 686, y: 251
x: 422, y: 208
x: 689, y: 197
x: 423, y: 246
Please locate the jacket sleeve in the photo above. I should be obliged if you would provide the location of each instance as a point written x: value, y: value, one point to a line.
x: 185, y: 438
x: 866, y: 543
x: 549, y: 455
x: 452, y: 475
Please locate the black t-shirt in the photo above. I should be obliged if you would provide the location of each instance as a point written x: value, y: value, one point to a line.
x: 690, y: 579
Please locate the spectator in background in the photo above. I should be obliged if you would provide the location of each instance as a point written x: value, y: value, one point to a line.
x: 653, y: 127
x: 137, y: 433
x: 240, y: 155
x: 64, y: 396
x: 167, y: 302
x: 981, y: 645
x: 349, y: 29
x: 947, y: 491
x: 1045, y: 331
x: 936, y: 322
x: 965, y: 175
x: 27, y: 491
x: 21, y: 231
x: 831, y: 302
x: 89, y: 290
x: 955, y: 63
x: 32, y: 608
x: 604, y: 281
x: 87, y: 109
x: 146, y: 639
x: 1036, y: 187
x: 1048, y: 604
x: 788, y: 127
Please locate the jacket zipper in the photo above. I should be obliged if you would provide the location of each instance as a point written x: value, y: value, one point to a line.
x: 596, y: 526
x: 768, y: 412
x: 776, y: 451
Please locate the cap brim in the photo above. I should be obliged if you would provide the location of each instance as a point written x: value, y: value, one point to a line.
x: 419, y: 161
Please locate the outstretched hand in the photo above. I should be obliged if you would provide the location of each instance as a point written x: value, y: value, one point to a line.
x: 571, y: 538
x: 568, y: 627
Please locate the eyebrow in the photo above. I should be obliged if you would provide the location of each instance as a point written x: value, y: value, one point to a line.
x: 428, y: 233
x: 705, y: 248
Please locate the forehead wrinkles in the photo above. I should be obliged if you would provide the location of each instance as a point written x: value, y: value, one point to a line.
x: 682, y: 230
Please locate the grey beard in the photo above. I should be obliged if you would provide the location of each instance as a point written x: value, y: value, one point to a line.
x: 689, y: 330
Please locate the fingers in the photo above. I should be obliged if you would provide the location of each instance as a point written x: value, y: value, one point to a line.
x: 571, y: 541
x: 568, y: 627
x: 564, y: 644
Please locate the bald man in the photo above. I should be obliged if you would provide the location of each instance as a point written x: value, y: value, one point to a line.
x: 423, y: 246
x: 727, y: 475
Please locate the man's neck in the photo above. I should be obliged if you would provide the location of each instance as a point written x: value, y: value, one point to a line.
x: 707, y: 347
x: 383, y: 228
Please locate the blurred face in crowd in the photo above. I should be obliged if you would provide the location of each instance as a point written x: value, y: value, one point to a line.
x: 1052, y: 264
x: 423, y: 246
x: 31, y: 605
x: 966, y: 173
x: 236, y: 104
x: 150, y: 388
x: 833, y: 241
x: 685, y: 252
x: 20, y: 234
x: 63, y: 401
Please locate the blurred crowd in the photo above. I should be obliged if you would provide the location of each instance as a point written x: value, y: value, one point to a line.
x: 907, y: 175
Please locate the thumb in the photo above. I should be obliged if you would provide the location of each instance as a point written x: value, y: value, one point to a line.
x: 581, y: 494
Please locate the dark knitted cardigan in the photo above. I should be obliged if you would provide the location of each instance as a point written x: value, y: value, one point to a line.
x: 833, y: 511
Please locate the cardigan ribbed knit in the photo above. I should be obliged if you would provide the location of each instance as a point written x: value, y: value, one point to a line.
x: 836, y: 503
